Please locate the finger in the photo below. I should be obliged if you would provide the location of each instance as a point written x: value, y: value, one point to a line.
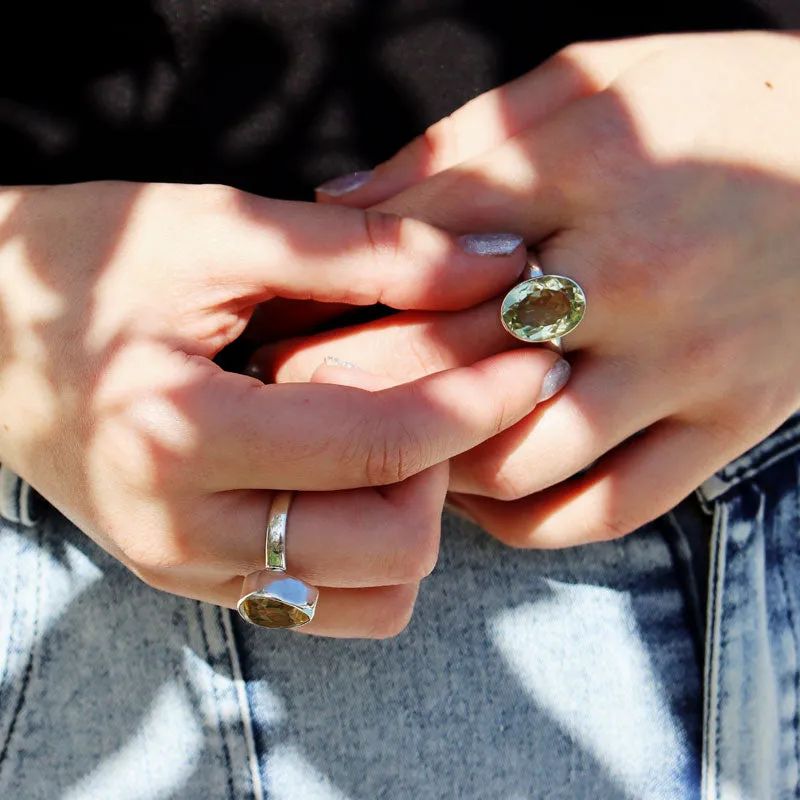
x: 344, y: 373
x: 402, y: 347
x: 324, y: 437
x: 492, y: 118
x: 378, y: 613
x: 543, y: 180
x: 352, y: 538
x: 374, y: 613
x: 605, y: 403
x: 628, y: 488
x: 257, y: 248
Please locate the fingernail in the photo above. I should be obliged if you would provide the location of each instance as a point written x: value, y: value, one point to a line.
x: 336, y: 187
x: 458, y: 511
x: 490, y: 244
x: 555, y: 380
x: 332, y: 361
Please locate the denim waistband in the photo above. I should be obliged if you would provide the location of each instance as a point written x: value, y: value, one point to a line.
x: 783, y: 441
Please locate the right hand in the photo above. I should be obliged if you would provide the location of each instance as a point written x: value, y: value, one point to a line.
x: 115, y: 297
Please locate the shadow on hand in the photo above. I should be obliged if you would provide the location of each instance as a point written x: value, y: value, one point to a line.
x: 171, y: 98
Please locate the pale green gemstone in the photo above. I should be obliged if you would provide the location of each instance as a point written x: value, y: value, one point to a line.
x: 543, y: 308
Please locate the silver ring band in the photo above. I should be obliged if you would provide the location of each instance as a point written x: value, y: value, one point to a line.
x: 270, y: 597
x: 275, y: 557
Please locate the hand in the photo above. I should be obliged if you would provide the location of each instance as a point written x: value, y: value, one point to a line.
x: 663, y: 174
x: 115, y: 297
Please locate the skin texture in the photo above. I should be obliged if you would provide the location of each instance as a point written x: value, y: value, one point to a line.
x: 114, y: 300
x: 663, y: 174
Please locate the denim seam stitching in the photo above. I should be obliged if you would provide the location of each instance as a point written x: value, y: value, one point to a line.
x: 14, y: 610
x: 26, y: 675
x: 790, y: 621
x: 711, y: 732
x: 685, y: 554
x: 244, y: 704
x: 11, y: 637
x: 762, y: 462
x: 215, y: 693
x: 733, y: 479
x: 790, y: 624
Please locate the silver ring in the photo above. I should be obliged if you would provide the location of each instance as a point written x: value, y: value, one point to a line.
x: 542, y: 308
x: 271, y: 598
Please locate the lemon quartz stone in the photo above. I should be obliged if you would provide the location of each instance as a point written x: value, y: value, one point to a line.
x: 543, y: 308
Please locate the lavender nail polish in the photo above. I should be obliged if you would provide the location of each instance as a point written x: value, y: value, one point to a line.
x: 490, y: 244
x: 336, y: 187
x: 555, y: 380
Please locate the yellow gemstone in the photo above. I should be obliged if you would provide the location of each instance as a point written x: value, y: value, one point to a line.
x: 543, y: 308
x: 270, y: 612
x: 273, y: 599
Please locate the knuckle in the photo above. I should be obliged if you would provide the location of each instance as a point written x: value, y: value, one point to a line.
x: 393, y: 455
x: 440, y: 144
x: 637, y: 275
x: 616, y: 158
x: 216, y: 197
x: 496, y: 479
x: 517, y: 537
x: 427, y: 354
x: 135, y: 450
x: 645, y: 272
x: 383, y: 235
x: 577, y: 52
x: 608, y: 528
x: 157, y: 557
x: 418, y: 548
x: 507, y: 487
x: 503, y: 414
x: 734, y: 424
x: 501, y: 478
x: 393, y: 613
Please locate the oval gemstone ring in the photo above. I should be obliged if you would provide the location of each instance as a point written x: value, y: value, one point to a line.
x: 542, y: 308
x: 270, y: 597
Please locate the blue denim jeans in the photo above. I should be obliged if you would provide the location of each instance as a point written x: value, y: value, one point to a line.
x: 609, y: 671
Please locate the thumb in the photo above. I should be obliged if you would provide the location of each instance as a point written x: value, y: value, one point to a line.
x: 344, y: 373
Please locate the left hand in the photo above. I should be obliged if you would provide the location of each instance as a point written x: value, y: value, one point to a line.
x: 662, y: 174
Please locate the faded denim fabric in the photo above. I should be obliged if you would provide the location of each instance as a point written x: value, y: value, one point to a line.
x: 752, y: 746
x: 563, y: 674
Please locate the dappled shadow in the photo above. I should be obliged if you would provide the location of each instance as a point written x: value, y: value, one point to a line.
x: 207, y: 96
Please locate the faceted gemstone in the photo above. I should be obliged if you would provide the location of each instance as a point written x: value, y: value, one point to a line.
x: 270, y: 612
x: 543, y: 308
x: 273, y: 599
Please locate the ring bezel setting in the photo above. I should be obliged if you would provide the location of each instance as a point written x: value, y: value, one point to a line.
x: 543, y: 308
x: 272, y: 599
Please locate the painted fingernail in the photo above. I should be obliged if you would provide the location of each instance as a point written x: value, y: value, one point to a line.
x: 332, y: 361
x: 336, y: 187
x: 490, y: 244
x: 555, y: 380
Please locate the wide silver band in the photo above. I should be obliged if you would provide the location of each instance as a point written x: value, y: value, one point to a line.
x: 276, y: 530
x: 270, y: 597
